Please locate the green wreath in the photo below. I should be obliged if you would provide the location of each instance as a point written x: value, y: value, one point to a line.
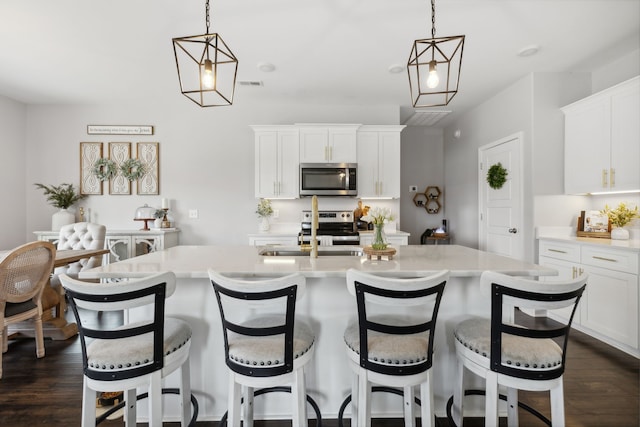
x: 132, y: 169
x: 497, y: 176
x: 104, y: 169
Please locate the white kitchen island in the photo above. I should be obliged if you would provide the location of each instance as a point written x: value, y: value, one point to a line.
x: 327, y: 306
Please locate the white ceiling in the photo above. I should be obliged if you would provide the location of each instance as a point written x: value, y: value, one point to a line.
x: 324, y: 51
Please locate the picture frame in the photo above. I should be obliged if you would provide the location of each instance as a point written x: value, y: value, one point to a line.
x: 149, y: 154
x: 90, y: 152
x: 119, y: 130
x: 119, y: 152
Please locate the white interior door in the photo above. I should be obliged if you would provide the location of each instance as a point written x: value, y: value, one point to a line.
x: 501, y: 209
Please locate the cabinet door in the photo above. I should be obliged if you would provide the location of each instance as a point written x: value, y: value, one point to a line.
x: 342, y: 146
x: 389, y: 164
x: 625, y: 139
x: 288, y: 181
x: 367, y: 164
x: 566, y: 271
x: 587, y: 143
x: 611, y: 305
x: 119, y: 247
x: 266, y: 163
x: 314, y: 145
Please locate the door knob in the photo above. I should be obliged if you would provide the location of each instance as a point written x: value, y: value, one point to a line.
x: 513, y: 230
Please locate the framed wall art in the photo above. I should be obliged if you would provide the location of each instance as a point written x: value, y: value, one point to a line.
x: 90, y: 153
x: 149, y: 154
x: 119, y: 152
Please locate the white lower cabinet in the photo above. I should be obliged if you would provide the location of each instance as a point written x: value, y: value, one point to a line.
x: 123, y: 244
x: 609, y: 307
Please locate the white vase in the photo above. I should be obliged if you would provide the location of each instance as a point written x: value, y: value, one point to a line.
x: 619, y: 233
x: 264, y: 224
x: 60, y: 218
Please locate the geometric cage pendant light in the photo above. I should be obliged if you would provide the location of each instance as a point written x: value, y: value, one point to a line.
x: 434, y: 68
x: 207, y: 68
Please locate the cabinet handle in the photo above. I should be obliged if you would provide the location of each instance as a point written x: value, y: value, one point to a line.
x: 330, y: 153
x: 580, y: 271
x: 613, y: 177
x: 574, y: 272
x: 604, y: 178
x: 380, y: 192
x: 557, y: 250
x: 601, y: 258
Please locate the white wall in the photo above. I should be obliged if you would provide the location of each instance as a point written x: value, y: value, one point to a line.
x: 12, y: 173
x: 206, y: 162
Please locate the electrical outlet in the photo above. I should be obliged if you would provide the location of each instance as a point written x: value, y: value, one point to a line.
x: 413, y: 188
x: 276, y: 213
x: 193, y: 213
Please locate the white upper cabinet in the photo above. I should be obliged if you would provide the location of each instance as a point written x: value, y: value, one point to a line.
x: 276, y: 162
x: 602, y: 141
x: 379, y: 161
x: 328, y: 143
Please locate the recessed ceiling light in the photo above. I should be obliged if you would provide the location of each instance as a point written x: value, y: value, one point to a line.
x: 529, y: 50
x: 266, y: 67
x: 396, y: 68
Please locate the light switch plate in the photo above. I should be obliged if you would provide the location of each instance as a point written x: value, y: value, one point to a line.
x: 193, y: 213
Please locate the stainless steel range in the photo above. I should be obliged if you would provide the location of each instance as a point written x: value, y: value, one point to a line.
x: 334, y: 228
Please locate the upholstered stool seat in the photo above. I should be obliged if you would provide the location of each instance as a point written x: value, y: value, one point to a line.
x: 268, y: 350
x: 516, y: 356
x: 114, y: 355
x: 391, y: 343
x: 529, y: 353
x: 394, y: 350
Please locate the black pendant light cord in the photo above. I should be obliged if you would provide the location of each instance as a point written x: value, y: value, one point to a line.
x: 206, y: 11
x: 433, y: 19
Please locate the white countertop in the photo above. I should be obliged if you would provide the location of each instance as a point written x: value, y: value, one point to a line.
x: 194, y: 262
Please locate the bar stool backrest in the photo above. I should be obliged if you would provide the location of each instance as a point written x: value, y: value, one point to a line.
x: 117, y: 296
x: 508, y: 292
x: 377, y: 297
x: 255, y: 309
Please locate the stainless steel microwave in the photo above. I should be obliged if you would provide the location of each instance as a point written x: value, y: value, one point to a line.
x: 328, y: 179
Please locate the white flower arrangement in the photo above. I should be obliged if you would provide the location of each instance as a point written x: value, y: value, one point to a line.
x: 104, y: 169
x: 132, y: 169
x: 378, y: 216
x: 264, y: 208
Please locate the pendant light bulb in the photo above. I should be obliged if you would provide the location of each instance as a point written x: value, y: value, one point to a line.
x: 208, y: 80
x: 433, y: 80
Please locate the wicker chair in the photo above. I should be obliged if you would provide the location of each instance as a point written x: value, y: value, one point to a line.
x: 24, y: 272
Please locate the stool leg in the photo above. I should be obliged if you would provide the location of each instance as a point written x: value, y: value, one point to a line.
x: 491, y: 403
x: 458, y: 395
x: 299, y: 396
x: 556, y: 394
x: 185, y: 393
x: 409, y: 419
x: 234, y: 396
x: 426, y: 397
x: 130, y: 407
x: 88, y: 406
x: 247, y: 406
x: 354, y: 400
x: 155, y: 399
x: 364, y: 398
x: 512, y: 407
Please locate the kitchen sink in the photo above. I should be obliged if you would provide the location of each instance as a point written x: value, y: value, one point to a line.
x: 326, y: 251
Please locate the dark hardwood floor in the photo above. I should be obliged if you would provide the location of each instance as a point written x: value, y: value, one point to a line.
x: 601, y: 387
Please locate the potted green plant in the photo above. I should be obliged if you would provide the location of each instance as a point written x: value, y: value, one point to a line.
x: 62, y: 197
x: 620, y: 217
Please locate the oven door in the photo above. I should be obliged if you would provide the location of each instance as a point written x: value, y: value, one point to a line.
x: 328, y: 179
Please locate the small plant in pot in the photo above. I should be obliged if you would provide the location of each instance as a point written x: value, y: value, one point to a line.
x: 62, y: 197
x: 619, y: 217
